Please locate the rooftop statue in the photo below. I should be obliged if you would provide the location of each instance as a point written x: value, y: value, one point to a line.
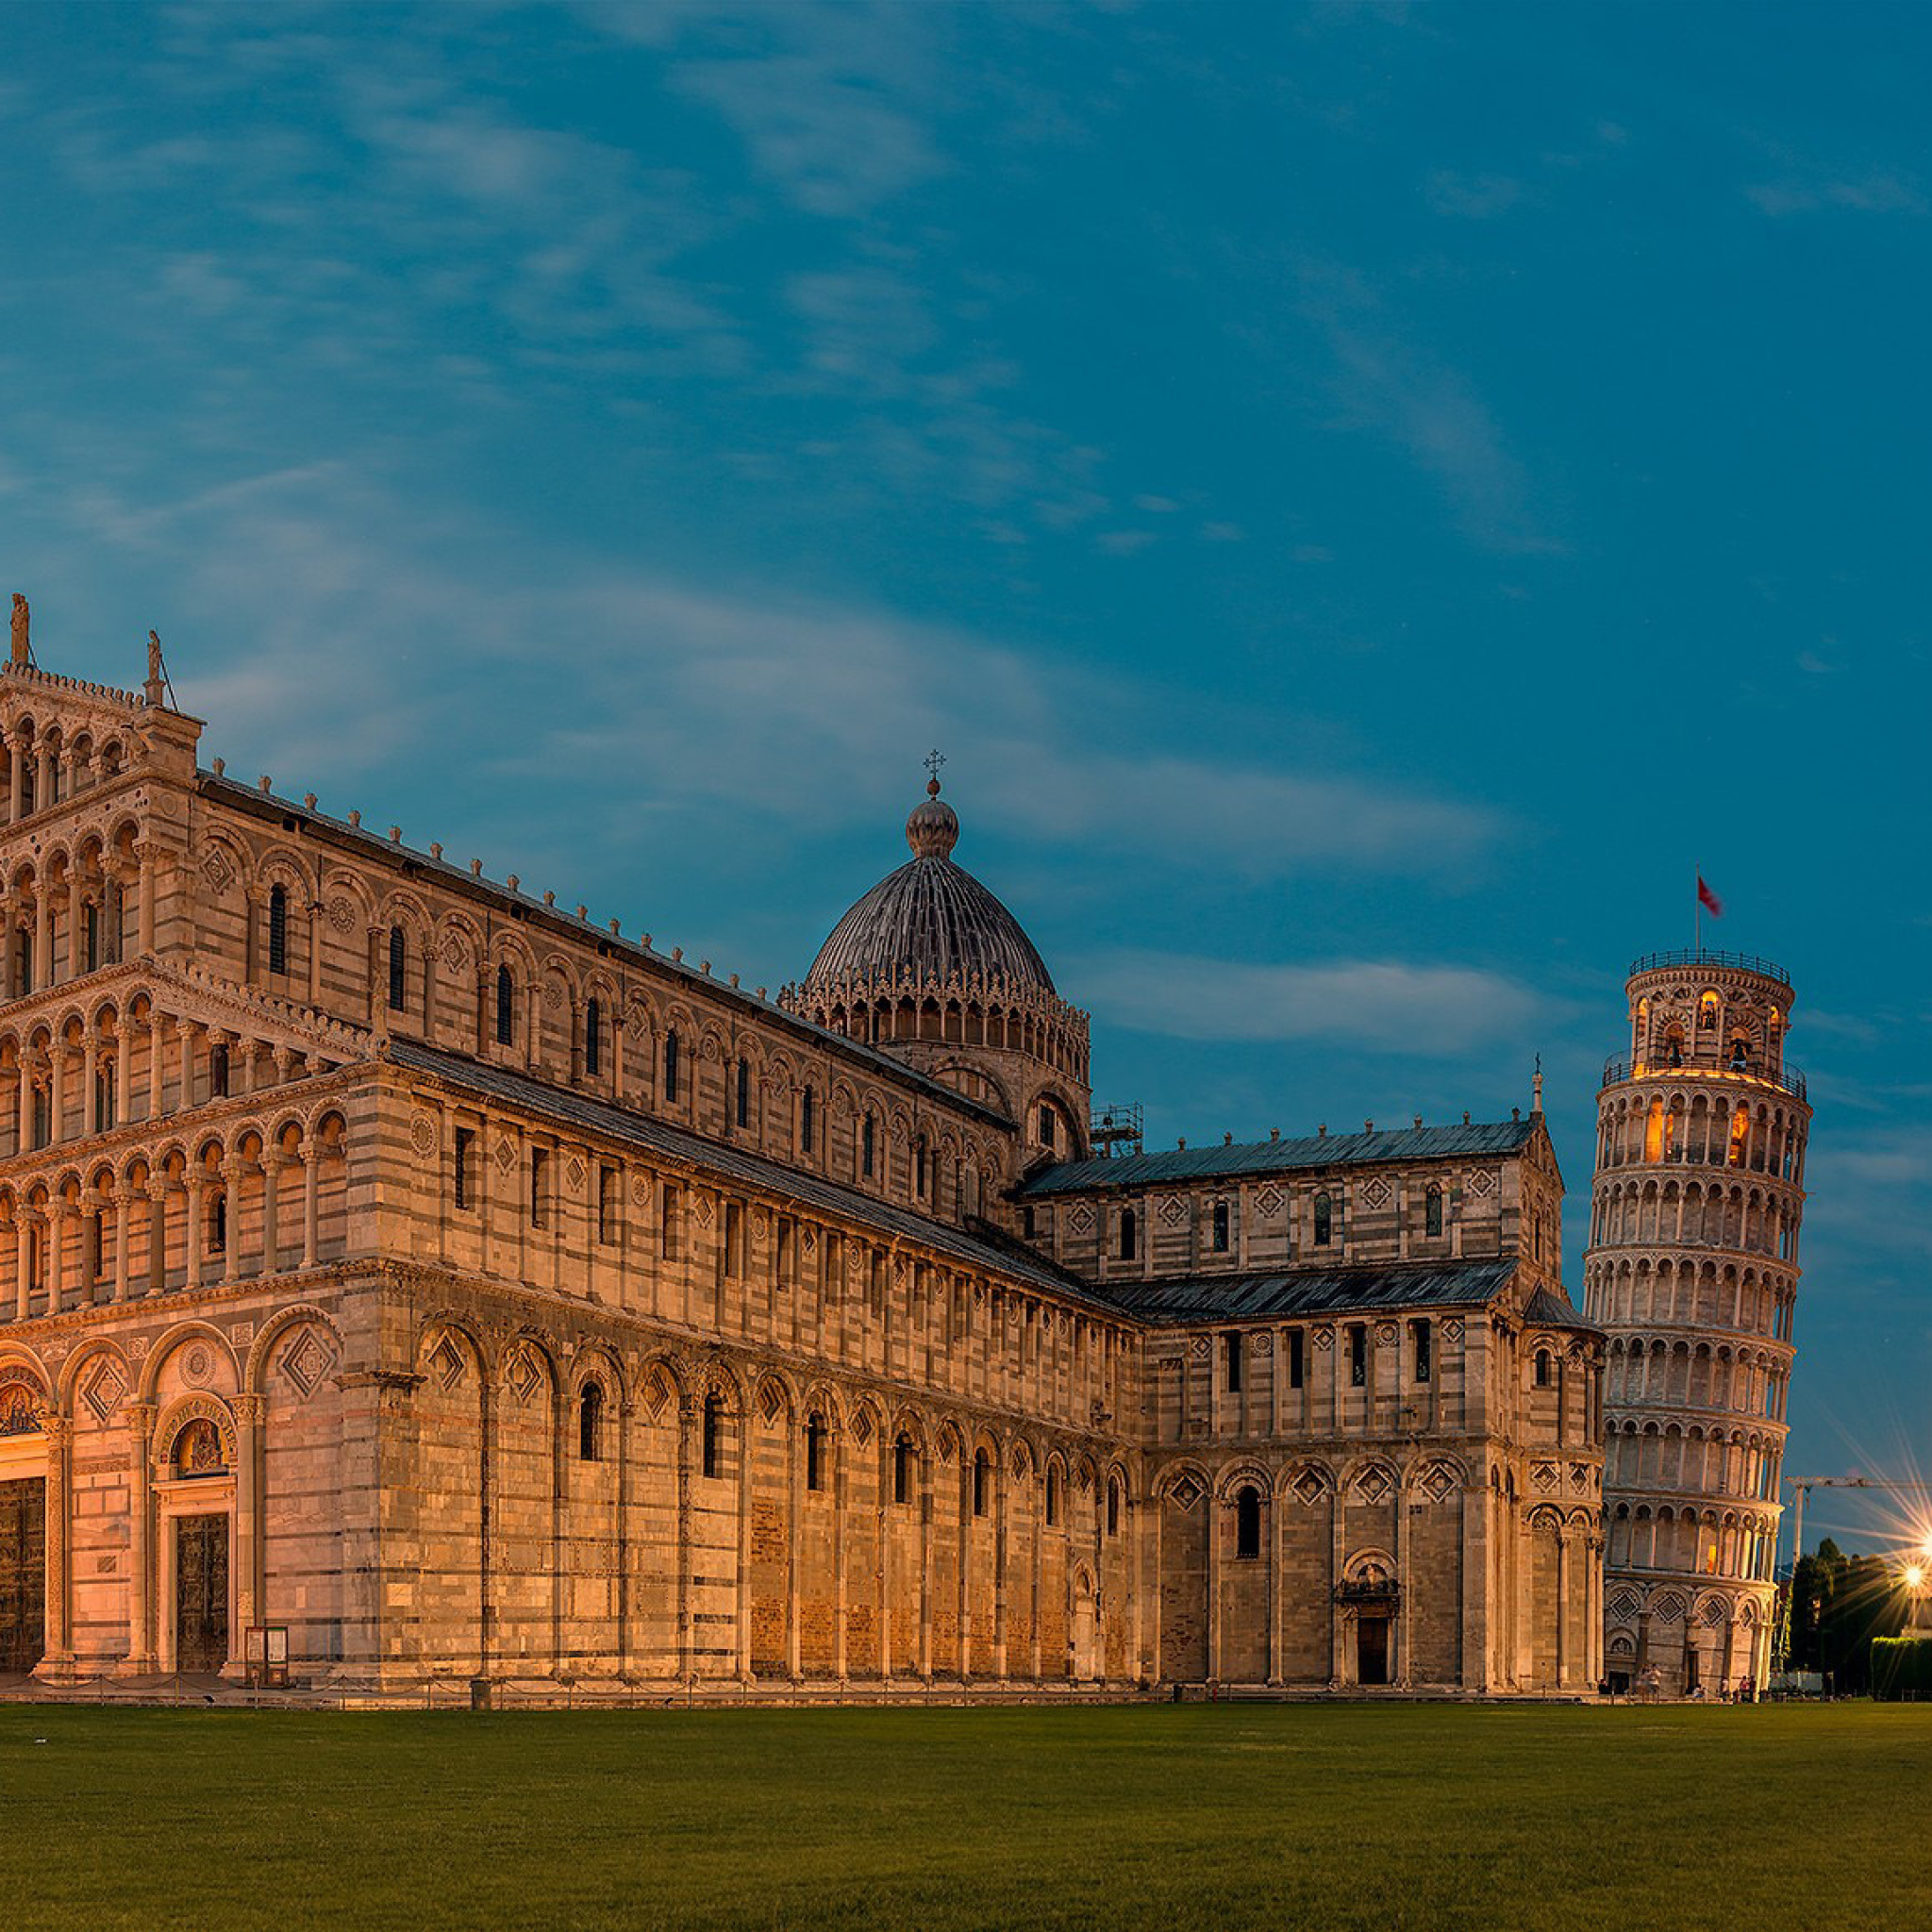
x: 22, y: 654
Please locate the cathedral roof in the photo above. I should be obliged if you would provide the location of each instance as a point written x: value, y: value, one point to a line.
x: 1309, y: 1291
x: 976, y: 1247
x: 1131, y: 1171
x: 931, y: 920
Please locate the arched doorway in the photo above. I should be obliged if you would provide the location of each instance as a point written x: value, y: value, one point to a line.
x: 200, y: 1555
x: 1368, y: 1596
x: 23, y: 1538
x: 1083, y: 1631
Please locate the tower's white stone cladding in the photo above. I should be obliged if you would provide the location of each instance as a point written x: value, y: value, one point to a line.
x: 1693, y: 1273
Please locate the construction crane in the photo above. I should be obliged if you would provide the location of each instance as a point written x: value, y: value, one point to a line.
x: 1804, y: 1485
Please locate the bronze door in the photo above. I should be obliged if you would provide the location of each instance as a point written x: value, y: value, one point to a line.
x: 201, y: 1593
x: 1372, y: 1654
x: 23, y: 1574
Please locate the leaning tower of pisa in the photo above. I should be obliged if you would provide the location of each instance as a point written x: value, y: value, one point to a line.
x: 1693, y: 1273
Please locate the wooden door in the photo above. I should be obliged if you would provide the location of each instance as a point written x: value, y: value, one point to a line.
x: 201, y: 1593
x: 23, y: 1574
x: 1372, y: 1652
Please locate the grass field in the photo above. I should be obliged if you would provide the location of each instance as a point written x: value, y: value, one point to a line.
x: 1175, y: 1817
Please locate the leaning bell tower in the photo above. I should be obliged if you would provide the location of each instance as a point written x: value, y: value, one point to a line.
x: 1692, y: 1273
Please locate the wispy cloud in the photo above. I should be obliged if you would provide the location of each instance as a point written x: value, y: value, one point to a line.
x: 1878, y: 191
x: 1381, y: 1005
x: 835, y: 102
x: 1473, y: 197
x: 338, y: 626
x: 1390, y: 384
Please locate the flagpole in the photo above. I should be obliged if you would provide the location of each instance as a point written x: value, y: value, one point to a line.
x: 1698, y: 908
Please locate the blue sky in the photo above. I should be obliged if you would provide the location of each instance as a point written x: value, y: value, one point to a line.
x: 1367, y: 499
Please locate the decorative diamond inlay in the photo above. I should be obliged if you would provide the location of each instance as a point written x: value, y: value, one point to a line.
x: 1080, y: 1218
x: 1324, y: 1339
x: 574, y: 1173
x: 1542, y: 1475
x: 657, y: 1394
x: 703, y: 1210
x: 1185, y: 1492
x: 1372, y: 1485
x: 1308, y: 1487
x: 1482, y: 1183
x: 449, y: 1361
x: 523, y: 1375
x: 1172, y: 1210
x: 1268, y: 1203
x: 1375, y: 1192
x: 1438, y: 1484
x: 1624, y: 1606
x: 506, y: 1154
x: 102, y: 1390
x: 307, y: 1359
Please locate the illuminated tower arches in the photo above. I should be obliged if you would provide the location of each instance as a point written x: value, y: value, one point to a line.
x: 1693, y: 1273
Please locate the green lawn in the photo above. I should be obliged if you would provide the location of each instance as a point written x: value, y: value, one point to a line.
x: 1174, y: 1817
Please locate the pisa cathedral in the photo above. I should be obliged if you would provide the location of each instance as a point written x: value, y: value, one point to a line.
x: 403, y: 1273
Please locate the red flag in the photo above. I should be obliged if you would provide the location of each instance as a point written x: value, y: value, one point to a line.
x: 1709, y: 899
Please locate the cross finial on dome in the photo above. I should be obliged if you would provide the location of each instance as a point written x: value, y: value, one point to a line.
x: 934, y: 827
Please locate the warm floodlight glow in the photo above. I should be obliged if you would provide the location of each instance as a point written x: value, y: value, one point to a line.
x: 1915, y: 1576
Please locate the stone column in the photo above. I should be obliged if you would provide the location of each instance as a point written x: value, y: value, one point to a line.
x: 196, y: 1196
x: 24, y: 1249
x: 926, y: 1499
x: 311, y: 1196
x: 187, y: 1029
x: 43, y: 935
x: 90, y: 1081
x: 882, y: 1508
x: 73, y: 959
x: 16, y: 776
x: 1405, y: 1583
x: 23, y: 1106
x: 1214, y: 1506
x: 249, y: 1411
x: 271, y: 1210
x: 687, y: 1411
x: 156, y: 1061
x: 794, y: 1492
x: 57, y: 1662
x: 1564, y: 1567
x: 1277, y: 1556
x: 1148, y: 1598
x: 747, y: 1435
x: 836, y: 1443
x: 999, y: 1570
x: 56, y: 1092
x: 158, y: 1235
x: 966, y: 1455
x: 124, y: 1210
x: 140, y: 1661
x: 232, y: 1169
x: 116, y: 1109
x: 626, y: 1422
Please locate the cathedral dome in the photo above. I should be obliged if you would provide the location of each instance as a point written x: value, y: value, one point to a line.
x: 929, y: 919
